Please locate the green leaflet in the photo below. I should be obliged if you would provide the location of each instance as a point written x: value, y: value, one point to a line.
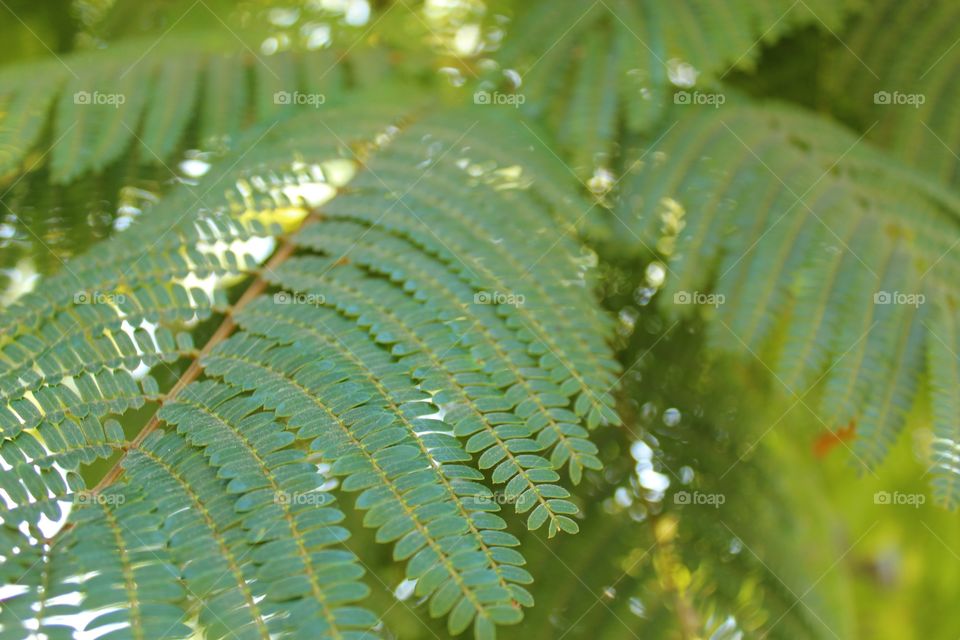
x: 942, y: 364
x: 166, y: 121
x: 225, y: 97
x: 26, y: 109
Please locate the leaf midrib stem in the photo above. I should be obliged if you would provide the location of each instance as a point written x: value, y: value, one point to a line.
x: 193, y: 372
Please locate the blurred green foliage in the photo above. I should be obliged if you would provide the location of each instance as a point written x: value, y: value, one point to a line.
x: 803, y: 544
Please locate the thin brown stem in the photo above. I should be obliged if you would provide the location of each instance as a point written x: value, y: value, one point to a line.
x: 194, y: 370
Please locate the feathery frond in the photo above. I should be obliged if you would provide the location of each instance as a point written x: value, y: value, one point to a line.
x: 369, y: 316
x: 892, y: 77
x: 346, y: 365
x: 809, y: 250
x: 140, y: 96
x: 570, y: 53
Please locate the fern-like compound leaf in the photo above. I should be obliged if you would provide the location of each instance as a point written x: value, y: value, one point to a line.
x: 426, y: 342
x: 771, y: 215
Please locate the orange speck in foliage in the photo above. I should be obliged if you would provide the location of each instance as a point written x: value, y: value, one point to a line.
x: 828, y: 440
